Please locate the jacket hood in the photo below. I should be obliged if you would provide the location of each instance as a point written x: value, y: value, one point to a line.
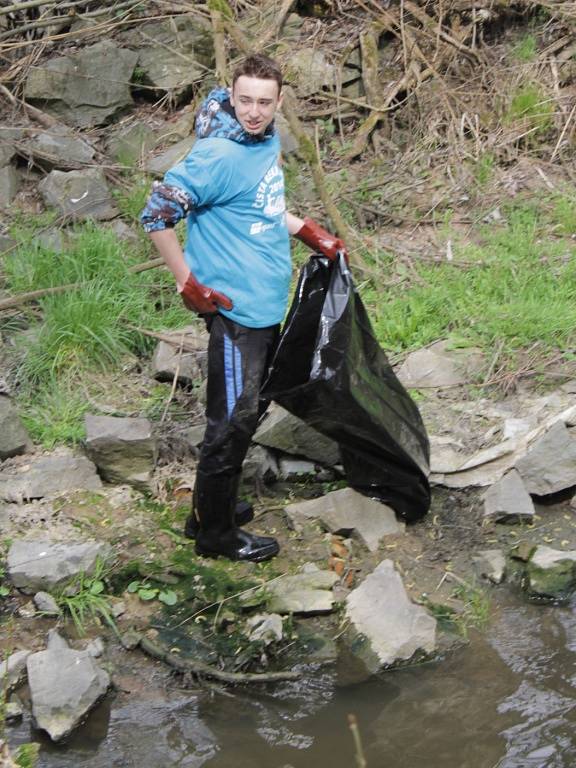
x: 216, y: 118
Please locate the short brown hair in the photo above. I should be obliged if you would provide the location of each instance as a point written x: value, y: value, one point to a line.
x: 259, y: 65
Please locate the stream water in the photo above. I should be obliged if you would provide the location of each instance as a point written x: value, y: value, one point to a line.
x: 507, y: 700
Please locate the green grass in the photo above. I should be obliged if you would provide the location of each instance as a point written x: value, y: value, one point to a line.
x: 525, y: 49
x: 89, y: 326
x: 518, y: 288
x: 531, y: 105
x: 54, y: 415
x: 88, y: 601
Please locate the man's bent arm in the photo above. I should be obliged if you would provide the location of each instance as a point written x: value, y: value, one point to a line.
x: 293, y: 223
x: 169, y: 248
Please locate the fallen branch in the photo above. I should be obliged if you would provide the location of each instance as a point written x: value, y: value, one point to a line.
x: 222, y: 74
x: 24, y: 298
x: 187, y: 344
x: 36, y: 114
x: 205, y: 670
x: 275, y: 28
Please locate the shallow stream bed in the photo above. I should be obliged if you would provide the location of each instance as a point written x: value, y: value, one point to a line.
x: 506, y: 700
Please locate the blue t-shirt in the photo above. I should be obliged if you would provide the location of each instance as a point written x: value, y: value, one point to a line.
x: 237, y: 239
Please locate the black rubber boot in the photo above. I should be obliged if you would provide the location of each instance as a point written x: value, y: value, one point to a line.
x: 218, y: 536
x: 243, y: 513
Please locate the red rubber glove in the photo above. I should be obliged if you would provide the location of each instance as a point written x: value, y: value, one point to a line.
x: 317, y: 238
x: 202, y: 299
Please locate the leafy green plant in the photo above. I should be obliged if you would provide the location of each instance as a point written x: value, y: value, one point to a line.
x: 147, y: 592
x: 86, y: 600
x: 26, y: 755
x: 484, y: 169
x: 4, y: 588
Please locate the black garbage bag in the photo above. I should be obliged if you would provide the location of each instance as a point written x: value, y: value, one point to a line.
x: 330, y: 371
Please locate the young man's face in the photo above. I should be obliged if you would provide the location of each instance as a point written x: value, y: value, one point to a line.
x: 255, y: 102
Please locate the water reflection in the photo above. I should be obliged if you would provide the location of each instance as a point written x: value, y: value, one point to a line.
x: 506, y: 701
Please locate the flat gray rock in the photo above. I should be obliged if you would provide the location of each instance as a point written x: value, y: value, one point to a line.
x: 347, y: 513
x: 13, y: 670
x: 64, y: 686
x: 9, y: 185
x: 47, y: 477
x: 490, y: 564
x: 287, y: 433
x: 13, y: 436
x: 123, y: 449
x: 41, y: 565
x: 81, y: 195
x: 385, y: 626
x: 86, y: 87
x: 167, y: 361
x: 162, y: 162
x: 549, y: 465
x: 173, y: 53
x: 438, y: 366
x: 260, y: 465
x: 311, y: 71
x: 508, y: 501
x: 306, y: 593
x: 55, y: 149
x: 46, y: 604
x: 292, y: 469
x: 130, y: 144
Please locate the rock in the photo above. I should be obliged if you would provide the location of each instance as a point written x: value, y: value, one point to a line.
x: 46, y: 604
x: 287, y: 433
x: 95, y: 648
x: 551, y: 573
x: 260, y: 465
x: 27, y: 610
x: 123, y: 449
x: 439, y: 366
x: 386, y: 628
x: 123, y: 232
x: 516, y: 428
x: 348, y: 513
x: 38, y: 565
x: 131, y: 639
x: 9, y: 185
x: 47, y: 477
x: 288, y: 142
x: 13, y: 437
x: 161, y: 163
x: 8, y: 140
x: 310, y: 71
x: 84, y: 88
x: 64, y: 685
x: 13, y: 670
x: 174, y: 53
x: 167, y: 360
x: 13, y: 712
x: 306, y: 593
x: 56, y: 641
x: 508, y: 501
x: 550, y: 464
x: 265, y: 628
x: 59, y: 149
x: 131, y: 143
x: 491, y: 564
x: 52, y: 240
x: 292, y: 469
x: 79, y: 194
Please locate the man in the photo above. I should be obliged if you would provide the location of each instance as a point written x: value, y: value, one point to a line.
x: 235, y: 272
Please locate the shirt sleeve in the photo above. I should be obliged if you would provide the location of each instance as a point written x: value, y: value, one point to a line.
x: 206, y: 174
x: 165, y: 207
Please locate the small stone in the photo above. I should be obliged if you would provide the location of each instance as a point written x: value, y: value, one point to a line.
x: 508, y: 501
x: 293, y: 469
x: 13, y: 670
x: 95, y: 648
x: 491, y: 565
x: 265, y: 628
x: 13, y: 712
x: 130, y: 639
x: 27, y: 611
x: 551, y: 573
x: 46, y: 604
x: 550, y: 464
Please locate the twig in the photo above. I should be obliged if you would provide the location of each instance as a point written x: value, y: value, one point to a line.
x: 37, y: 114
x: 187, y: 344
x: 561, y: 137
x: 360, y: 759
x: 174, y: 380
x: 275, y: 29
x: 205, y: 670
